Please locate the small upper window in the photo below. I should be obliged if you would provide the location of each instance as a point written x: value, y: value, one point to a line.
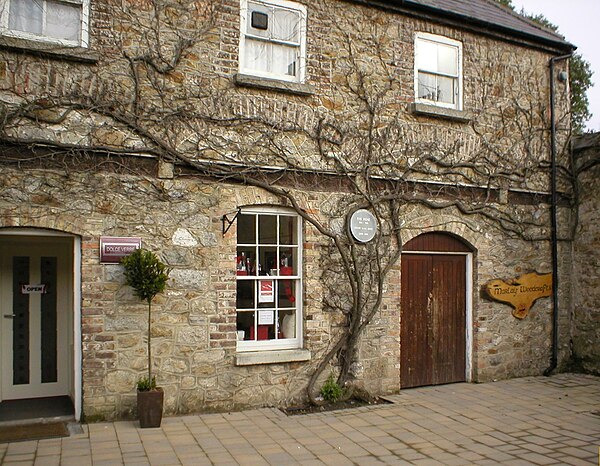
x: 438, y: 70
x: 63, y: 22
x: 272, y: 39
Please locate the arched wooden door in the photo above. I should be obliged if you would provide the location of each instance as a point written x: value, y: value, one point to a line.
x: 433, y: 312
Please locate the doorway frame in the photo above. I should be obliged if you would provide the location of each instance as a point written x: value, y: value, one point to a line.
x: 76, y: 374
x: 468, y: 304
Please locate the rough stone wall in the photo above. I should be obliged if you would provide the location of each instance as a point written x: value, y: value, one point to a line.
x: 586, y: 264
x: 194, y: 321
x: 193, y: 330
x: 505, y: 91
x: 506, y: 88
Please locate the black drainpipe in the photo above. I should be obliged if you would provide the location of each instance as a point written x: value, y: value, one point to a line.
x: 554, y: 220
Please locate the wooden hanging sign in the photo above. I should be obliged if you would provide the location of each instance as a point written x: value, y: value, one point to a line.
x: 521, y: 292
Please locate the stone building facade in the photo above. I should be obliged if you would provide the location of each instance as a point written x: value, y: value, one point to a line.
x: 586, y: 263
x: 179, y: 125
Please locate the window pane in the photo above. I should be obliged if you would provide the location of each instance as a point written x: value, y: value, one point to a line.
x: 286, y: 25
x: 447, y: 60
x: 267, y: 259
x: 266, y: 291
x: 287, y: 324
x: 63, y: 20
x: 245, y: 261
x: 446, y: 89
x: 267, y: 229
x: 256, y: 55
x: 245, y: 323
x: 287, y: 230
x: 262, y: 9
x: 286, y: 294
x: 265, y: 328
x: 287, y: 261
x: 26, y: 15
x: 427, y: 87
x: 245, y: 294
x: 284, y: 59
x: 246, y: 229
x: 426, y: 55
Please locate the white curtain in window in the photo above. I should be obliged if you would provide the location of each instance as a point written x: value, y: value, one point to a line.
x: 26, y: 16
x: 437, y: 58
x: 268, y: 57
x: 63, y: 21
x: 285, y: 25
x: 257, y: 55
x: 447, y: 60
x: 284, y: 60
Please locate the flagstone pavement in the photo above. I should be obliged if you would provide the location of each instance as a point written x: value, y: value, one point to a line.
x: 532, y: 420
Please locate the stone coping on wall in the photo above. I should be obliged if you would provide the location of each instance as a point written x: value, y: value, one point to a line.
x: 62, y: 52
x: 271, y: 357
x: 273, y: 84
x: 441, y: 112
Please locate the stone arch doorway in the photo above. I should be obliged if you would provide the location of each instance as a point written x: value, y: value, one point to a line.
x: 435, y: 326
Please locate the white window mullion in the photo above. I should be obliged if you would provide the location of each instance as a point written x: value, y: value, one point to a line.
x: 44, y: 16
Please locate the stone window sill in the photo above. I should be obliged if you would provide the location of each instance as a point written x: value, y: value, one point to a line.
x: 271, y: 357
x: 62, y: 52
x: 273, y: 84
x: 441, y: 112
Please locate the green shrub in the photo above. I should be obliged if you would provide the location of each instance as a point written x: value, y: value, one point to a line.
x: 145, y: 384
x: 331, y: 391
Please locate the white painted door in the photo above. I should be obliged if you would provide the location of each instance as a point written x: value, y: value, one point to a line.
x: 36, y: 307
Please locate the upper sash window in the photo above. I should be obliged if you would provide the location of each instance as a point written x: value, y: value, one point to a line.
x: 438, y: 70
x: 273, y: 38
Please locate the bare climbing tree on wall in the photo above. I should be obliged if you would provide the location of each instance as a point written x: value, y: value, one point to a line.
x: 162, y: 87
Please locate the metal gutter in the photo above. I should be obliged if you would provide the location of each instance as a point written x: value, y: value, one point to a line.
x: 554, y: 218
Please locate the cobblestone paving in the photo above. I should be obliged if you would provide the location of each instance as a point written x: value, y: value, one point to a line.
x: 534, y: 420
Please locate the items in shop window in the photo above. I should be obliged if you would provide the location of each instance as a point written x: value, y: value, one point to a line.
x: 288, y: 326
x: 241, y: 266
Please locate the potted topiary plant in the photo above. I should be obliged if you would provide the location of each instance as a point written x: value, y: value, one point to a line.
x: 147, y: 275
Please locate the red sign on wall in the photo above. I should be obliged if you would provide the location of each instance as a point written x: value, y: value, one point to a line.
x: 114, y: 248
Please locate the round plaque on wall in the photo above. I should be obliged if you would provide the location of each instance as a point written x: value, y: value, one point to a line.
x: 363, y: 225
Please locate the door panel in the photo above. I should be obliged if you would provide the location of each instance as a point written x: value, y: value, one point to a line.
x: 35, y: 322
x: 417, y: 361
x: 433, y: 319
x: 449, y: 319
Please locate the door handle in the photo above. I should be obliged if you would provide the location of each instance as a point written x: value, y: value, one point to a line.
x: 10, y: 316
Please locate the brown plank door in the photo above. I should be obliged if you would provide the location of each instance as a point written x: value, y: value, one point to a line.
x: 433, y: 319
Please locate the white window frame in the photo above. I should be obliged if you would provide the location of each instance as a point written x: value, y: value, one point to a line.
x: 301, y: 72
x: 423, y: 36
x: 285, y: 343
x: 84, y: 27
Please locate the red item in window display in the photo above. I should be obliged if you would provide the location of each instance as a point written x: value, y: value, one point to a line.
x: 286, y: 285
x: 263, y: 332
